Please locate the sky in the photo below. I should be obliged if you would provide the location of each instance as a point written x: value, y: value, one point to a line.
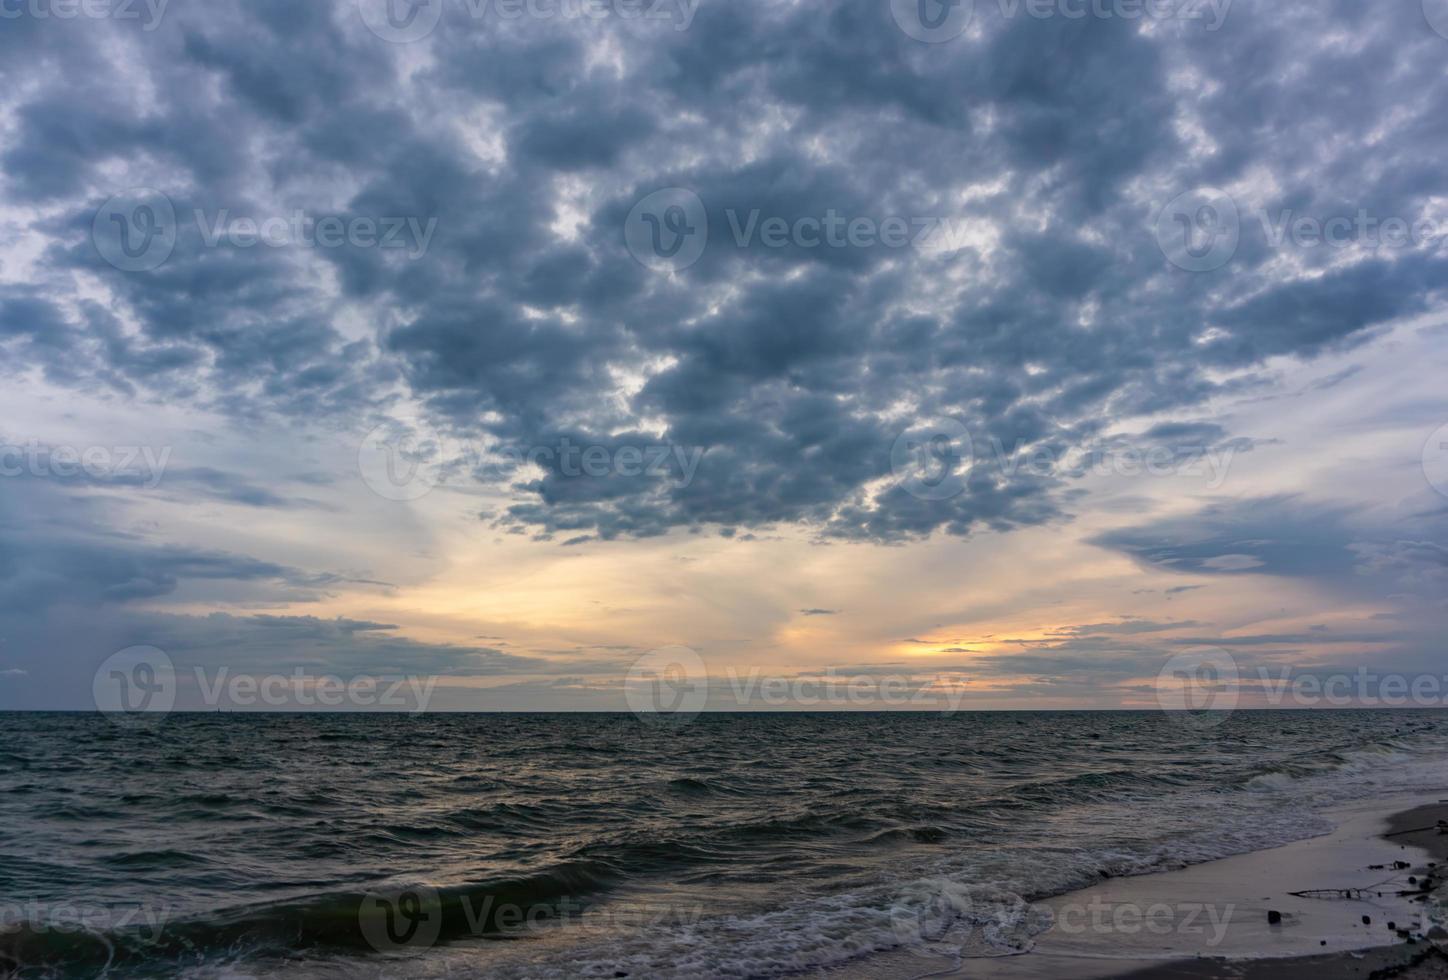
x: 1012, y: 352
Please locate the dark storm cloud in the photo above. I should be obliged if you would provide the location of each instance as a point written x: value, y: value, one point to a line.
x: 1049, y: 145
x: 1284, y: 536
x: 60, y: 548
x: 1398, y: 554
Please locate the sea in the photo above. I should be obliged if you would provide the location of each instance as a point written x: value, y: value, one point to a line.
x: 601, y: 845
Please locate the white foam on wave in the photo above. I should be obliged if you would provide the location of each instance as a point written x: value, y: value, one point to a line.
x: 976, y: 905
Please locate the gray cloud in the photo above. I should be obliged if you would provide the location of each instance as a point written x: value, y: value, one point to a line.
x: 785, y: 365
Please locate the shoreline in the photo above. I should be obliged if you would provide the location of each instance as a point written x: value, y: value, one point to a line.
x: 1237, y: 918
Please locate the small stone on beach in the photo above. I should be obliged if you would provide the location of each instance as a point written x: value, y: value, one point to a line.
x: 1274, y: 917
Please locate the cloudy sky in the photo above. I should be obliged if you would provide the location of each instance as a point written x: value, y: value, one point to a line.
x: 1027, y: 345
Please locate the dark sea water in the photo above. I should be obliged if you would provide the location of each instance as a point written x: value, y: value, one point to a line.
x: 744, y: 845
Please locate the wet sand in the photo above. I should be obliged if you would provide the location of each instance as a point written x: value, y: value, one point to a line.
x: 1215, y: 920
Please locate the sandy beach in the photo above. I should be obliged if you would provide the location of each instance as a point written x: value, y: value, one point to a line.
x: 1358, y: 902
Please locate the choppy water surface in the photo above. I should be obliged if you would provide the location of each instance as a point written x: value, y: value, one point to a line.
x: 744, y: 845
